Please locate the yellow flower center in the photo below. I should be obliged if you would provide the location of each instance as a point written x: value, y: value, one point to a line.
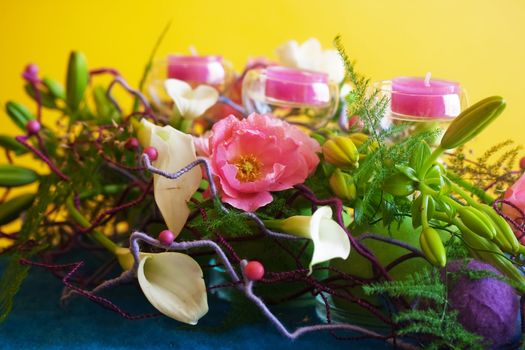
x: 248, y: 168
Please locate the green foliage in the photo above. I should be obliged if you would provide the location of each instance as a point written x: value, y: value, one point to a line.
x: 492, y: 168
x: 32, y: 239
x: 367, y: 102
x: 434, y: 319
x: 230, y: 224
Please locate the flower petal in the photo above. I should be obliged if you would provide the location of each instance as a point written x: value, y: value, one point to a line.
x: 173, y: 283
x: 332, y: 64
x: 175, y: 151
x: 330, y: 240
x: 191, y: 103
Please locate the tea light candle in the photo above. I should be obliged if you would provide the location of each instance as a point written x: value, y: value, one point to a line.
x: 297, y: 86
x: 425, y: 97
x: 198, y: 69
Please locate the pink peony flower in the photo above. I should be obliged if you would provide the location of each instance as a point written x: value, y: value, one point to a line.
x: 516, y: 195
x: 257, y: 155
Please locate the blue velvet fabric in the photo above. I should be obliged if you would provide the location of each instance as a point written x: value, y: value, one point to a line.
x: 38, y: 321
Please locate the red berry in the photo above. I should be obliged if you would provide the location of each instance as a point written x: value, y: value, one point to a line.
x: 254, y: 270
x: 166, y: 237
x: 33, y: 127
x: 132, y: 143
x: 151, y: 152
x: 522, y: 163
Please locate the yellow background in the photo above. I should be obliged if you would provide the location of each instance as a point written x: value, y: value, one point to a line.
x: 478, y: 43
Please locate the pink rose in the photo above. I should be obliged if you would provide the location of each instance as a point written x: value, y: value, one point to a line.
x: 516, y: 195
x: 257, y: 155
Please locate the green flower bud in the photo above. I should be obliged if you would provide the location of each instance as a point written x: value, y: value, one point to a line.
x: 13, y: 176
x: 341, y: 151
x: 399, y: 185
x: 489, y: 252
x: 19, y: 114
x: 472, y: 121
x: 77, y: 79
x: 12, y: 209
x: 505, y: 237
x: 9, y: 143
x: 477, y: 222
x: 342, y: 184
x: 432, y: 247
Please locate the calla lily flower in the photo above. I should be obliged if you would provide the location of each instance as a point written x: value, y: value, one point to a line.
x: 173, y: 283
x: 191, y: 103
x: 175, y: 151
x: 310, y: 55
x: 329, y: 239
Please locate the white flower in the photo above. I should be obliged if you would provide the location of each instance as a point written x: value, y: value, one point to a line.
x: 191, y: 103
x: 310, y: 55
x: 173, y: 283
x: 175, y: 151
x: 329, y: 239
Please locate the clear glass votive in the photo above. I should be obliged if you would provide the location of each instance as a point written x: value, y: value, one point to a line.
x: 210, y: 70
x: 421, y: 104
x: 298, y: 96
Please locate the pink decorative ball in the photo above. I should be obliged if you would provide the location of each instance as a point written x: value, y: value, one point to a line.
x: 166, y: 237
x: 132, y: 143
x: 152, y: 153
x: 254, y: 270
x: 33, y: 127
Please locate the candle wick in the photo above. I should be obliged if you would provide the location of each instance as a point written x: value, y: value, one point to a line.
x: 427, y: 79
x: 193, y: 50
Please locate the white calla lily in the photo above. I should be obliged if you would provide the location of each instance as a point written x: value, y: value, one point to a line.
x: 329, y: 239
x: 173, y: 283
x: 175, y: 151
x: 310, y: 55
x: 191, y: 103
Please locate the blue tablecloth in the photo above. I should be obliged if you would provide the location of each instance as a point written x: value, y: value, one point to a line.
x: 39, y: 322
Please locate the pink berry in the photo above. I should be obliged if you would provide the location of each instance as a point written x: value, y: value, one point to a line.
x: 151, y: 152
x: 33, y: 127
x: 254, y: 270
x: 132, y: 143
x: 355, y: 122
x: 166, y: 237
x: 522, y: 163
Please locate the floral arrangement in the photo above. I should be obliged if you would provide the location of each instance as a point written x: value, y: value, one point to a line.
x: 294, y: 202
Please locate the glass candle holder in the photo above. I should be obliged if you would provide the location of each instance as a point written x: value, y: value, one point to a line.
x: 195, y: 70
x: 421, y: 104
x: 298, y: 96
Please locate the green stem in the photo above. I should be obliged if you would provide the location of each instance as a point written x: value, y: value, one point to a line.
x: 185, y: 125
x: 424, y: 211
x: 484, y: 196
x: 95, y: 235
x: 464, y: 195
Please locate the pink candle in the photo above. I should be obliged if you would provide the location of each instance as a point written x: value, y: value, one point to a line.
x: 425, y: 97
x: 297, y: 86
x: 197, y: 69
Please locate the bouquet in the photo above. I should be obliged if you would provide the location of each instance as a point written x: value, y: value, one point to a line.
x: 279, y: 184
